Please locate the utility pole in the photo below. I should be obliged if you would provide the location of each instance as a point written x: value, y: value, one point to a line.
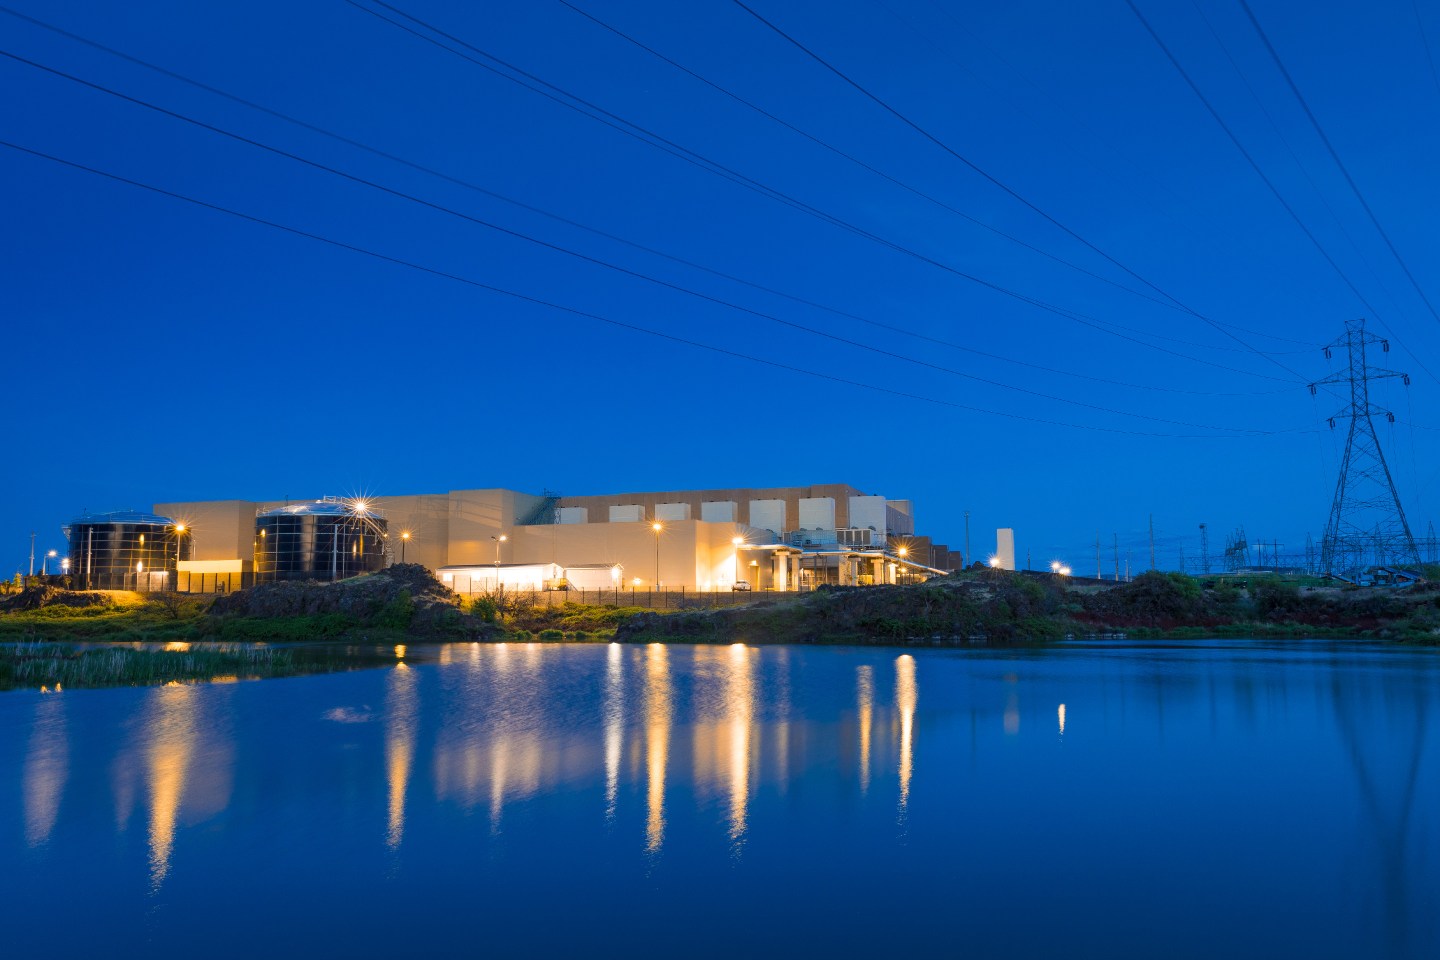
x: 1182, y: 559
x: 965, y: 560
x: 1116, y: 545
x: 1027, y: 559
x: 1204, y: 551
x: 1366, y: 507
x: 1152, y: 541
x: 1128, y: 555
x: 1097, y: 556
x: 32, y: 553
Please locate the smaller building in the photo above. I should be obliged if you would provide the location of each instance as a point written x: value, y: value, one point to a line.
x: 484, y: 578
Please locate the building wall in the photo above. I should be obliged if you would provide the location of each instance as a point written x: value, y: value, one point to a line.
x: 219, y: 529
x: 598, y: 507
x: 461, y: 527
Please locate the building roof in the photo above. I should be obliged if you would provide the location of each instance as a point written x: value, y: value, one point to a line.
x: 321, y: 508
x: 123, y: 516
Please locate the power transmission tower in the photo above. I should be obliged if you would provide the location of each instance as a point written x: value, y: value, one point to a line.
x: 1117, y: 556
x: 1204, y: 551
x: 1366, y: 522
x: 1182, y: 559
x: 1430, y: 543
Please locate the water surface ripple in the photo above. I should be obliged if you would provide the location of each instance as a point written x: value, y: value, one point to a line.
x: 1166, y: 800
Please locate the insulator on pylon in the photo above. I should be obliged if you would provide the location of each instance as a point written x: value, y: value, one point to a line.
x: 1405, y: 379
x: 1328, y: 354
x: 1390, y: 416
x: 1312, y: 389
x: 1332, y: 423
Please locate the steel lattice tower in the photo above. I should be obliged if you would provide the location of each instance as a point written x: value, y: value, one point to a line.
x: 1367, y: 524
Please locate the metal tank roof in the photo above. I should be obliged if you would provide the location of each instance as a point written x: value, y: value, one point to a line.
x: 321, y: 508
x: 123, y: 516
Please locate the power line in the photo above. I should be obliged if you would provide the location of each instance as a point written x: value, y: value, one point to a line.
x: 1000, y: 91
x: 591, y: 316
x: 996, y: 181
x: 441, y: 208
x: 968, y: 163
x: 470, y: 185
x: 1425, y: 45
x: 1280, y: 64
x: 1375, y: 314
x: 655, y: 140
x: 849, y: 156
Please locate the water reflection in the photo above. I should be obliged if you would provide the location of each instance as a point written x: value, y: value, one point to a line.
x: 865, y: 693
x: 47, y: 766
x: 402, y: 709
x: 545, y: 734
x: 657, y: 741
x: 739, y: 709
x: 907, y: 693
x: 614, y: 707
x: 173, y: 733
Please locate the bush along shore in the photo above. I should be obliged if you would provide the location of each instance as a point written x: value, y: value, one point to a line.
x: 1009, y: 608
x: 406, y: 603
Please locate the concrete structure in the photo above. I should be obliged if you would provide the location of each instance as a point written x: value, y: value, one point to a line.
x: 1005, y: 548
x: 779, y: 538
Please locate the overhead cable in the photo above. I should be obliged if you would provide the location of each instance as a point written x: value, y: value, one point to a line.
x: 603, y: 319
x: 470, y: 185
x: 478, y: 221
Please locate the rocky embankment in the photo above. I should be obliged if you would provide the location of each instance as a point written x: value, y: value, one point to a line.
x: 1018, y: 608
x: 34, y: 598
x: 405, y: 597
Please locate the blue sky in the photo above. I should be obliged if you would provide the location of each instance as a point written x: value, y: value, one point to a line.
x: 157, y: 350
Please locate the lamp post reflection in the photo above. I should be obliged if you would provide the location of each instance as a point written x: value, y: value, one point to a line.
x: 614, y: 723
x: 657, y: 741
x: 907, y: 693
x: 173, y: 735
x: 739, y: 709
x: 402, y: 706
x: 865, y: 693
x: 47, y: 767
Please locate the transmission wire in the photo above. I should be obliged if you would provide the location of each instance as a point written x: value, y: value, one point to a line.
x: 597, y: 317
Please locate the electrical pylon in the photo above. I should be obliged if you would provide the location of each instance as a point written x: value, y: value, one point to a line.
x: 1367, y: 524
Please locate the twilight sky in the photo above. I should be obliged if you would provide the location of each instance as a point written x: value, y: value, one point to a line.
x: 1080, y: 307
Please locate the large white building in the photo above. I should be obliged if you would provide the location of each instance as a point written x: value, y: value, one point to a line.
x: 779, y: 538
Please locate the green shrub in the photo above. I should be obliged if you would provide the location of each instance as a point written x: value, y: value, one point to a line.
x: 397, y: 614
x: 485, y: 607
x: 552, y: 636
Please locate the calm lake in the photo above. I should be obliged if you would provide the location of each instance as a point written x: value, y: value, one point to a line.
x: 1227, y: 798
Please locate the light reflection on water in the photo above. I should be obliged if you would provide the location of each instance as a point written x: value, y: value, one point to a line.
x: 1203, y: 780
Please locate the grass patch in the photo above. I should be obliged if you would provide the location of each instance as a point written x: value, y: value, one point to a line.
x: 34, y: 665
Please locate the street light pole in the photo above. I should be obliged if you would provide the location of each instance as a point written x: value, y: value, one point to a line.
x: 32, y: 553
x: 498, y: 540
x: 404, y: 539
x: 657, y: 526
x: 44, y: 562
x: 735, y: 542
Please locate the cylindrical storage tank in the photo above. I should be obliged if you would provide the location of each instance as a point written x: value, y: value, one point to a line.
x: 322, y: 540
x: 126, y: 551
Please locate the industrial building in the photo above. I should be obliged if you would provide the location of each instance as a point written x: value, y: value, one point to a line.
x: 775, y: 538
